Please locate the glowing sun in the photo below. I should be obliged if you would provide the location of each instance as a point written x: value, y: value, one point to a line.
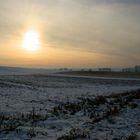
x: 31, y: 41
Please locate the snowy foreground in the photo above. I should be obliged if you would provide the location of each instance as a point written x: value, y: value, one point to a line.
x: 51, y: 107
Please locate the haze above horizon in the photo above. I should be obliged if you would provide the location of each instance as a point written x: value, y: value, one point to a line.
x: 75, y: 33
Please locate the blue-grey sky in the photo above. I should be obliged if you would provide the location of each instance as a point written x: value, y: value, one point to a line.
x: 106, y: 32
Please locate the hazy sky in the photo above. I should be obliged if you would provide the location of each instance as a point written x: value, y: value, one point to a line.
x: 72, y: 33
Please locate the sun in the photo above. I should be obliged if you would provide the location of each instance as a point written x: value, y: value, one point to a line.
x: 31, y: 41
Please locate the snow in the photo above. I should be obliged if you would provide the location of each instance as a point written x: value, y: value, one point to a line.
x: 21, y: 94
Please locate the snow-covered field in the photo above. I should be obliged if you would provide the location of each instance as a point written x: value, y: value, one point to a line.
x: 51, y: 107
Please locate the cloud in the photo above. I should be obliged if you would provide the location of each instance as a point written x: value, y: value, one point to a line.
x: 109, y: 27
x: 90, y: 2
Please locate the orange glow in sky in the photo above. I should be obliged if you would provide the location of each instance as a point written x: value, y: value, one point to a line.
x: 60, y: 33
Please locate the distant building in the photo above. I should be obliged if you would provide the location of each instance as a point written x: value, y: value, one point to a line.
x: 105, y: 69
x: 134, y: 69
x: 137, y: 68
x: 128, y: 70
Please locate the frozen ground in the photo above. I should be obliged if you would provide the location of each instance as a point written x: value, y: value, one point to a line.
x: 50, y: 107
